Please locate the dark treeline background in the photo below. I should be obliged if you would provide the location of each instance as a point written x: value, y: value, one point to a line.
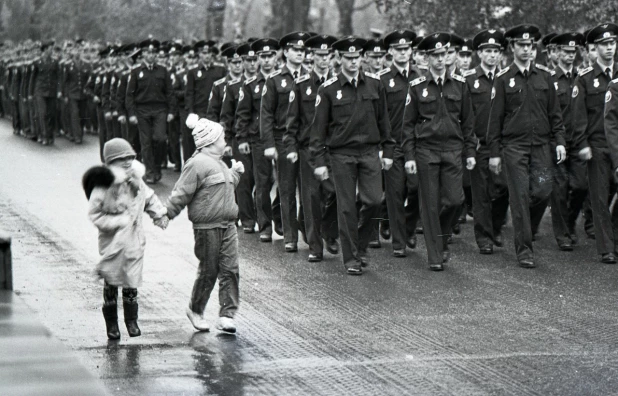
x: 131, y: 20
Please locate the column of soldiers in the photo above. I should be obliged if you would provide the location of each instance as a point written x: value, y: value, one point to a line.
x: 347, y: 140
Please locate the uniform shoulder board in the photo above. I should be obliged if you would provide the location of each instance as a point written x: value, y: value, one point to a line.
x: 193, y: 67
x: 219, y: 81
x: 545, y: 68
x: 417, y: 81
x: 383, y: 71
x: 180, y: 70
x: 275, y: 73
x: 302, y: 78
x: 503, y: 71
x: 585, y: 71
x: 468, y: 72
x: 233, y: 82
x: 218, y: 64
x: 250, y: 80
x: 458, y: 78
x: 372, y: 75
x: 614, y: 81
x: 329, y: 81
x: 422, y: 67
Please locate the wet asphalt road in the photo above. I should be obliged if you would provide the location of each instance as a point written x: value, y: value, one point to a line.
x: 482, y: 327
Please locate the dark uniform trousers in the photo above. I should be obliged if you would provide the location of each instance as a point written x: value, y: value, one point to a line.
x: 173, y: 139
x: 46, y: 110
x: 263, y: 174
x: 23, y: 117
x: 440, y: 175
x: 319, y: 203
x: 188, y: 144
x: 529, y: 173
x: 244, y: 190
x: 568, y: 195
x: 490, y: 200
x: 102, y: 129
x: 287, y: 174
x: 355, y: 228
x: 130, y: 133
x: 601, y: 182
x: 400, y: 186
x: 77, y: 111
x: 152, y: 125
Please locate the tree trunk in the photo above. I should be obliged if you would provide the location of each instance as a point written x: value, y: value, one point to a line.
x: 289, y: 16
x: 346, y: 10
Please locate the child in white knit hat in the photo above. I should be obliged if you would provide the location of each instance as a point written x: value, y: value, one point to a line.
x: 206, y: 186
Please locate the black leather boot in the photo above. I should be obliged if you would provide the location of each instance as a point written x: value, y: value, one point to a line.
x: 110, y: 313
x: 129, y: 303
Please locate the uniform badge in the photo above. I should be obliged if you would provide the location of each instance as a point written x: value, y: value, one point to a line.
x: 308, y: 91
x: 556, y: 85
x: 317, y: 100
x: 608, y: 96
x: 493, y: 93
x: 210, y: 97
x: 184, y: 79
x: 241, y: 95
x: 284, y: 83
x: 113, y: 80
x: 141, y: 75
x: 257, y: 89
x: 264, y: 90
x: 512, y: 82
x: 104, y: 79
x: 339, y: 95
x: 292, y: 95
x: 199, y: 74
x: 98, y: 80
x: 476, y: 84
x: 425, y: 93
x: 575, y: 92
x: 408, y: 99
x: 391, y: 83
x: 595, y: 82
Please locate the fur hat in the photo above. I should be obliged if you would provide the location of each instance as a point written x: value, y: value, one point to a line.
x: 117, y: 148
x: 205, y: 132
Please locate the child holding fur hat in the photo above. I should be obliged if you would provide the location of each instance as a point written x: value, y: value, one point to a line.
x: 206, y: 186
x: 117, y: 198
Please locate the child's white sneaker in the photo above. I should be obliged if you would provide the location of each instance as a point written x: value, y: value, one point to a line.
x: 197, y: 320
x: 226, y: 324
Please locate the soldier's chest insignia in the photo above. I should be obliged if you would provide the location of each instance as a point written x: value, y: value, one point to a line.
x: 476, y: 84
x: 257, y: 89
x: 391, y: 83
x: 199, y: 74
x: 284, y: 83
x: 113, y: 80
x: 308, y: 91
x: 595, y: 83
x: 104, y: 79
x: 339, y: 95
x: 141, y: 75
x: 512, y: 82
x: 556, y: 85
x: 425, y: 93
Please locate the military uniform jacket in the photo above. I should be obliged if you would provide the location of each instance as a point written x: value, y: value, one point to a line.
x: 350, y: 120
x: 274, y: 107
x: 25, y: 82
x: 215, y: 101
x: 151, y: 88
x: 480, y: 87
x: 564, y: 89
x: 44, y: 80
x: 525, y: 111
x: 74, y: 81
x: 248, y: 109
x: 106, y: 82
x: 611, y: 120
x: 301, y: 111
x: 228, y: 107
x: 178, y: 77
x: 120, y: 104
x: 199, y: 84
x: 588, y: 104
x: 438, y: 118
x: 396, y: 87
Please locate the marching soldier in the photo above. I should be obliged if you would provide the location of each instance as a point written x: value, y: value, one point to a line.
x: 524, y: 119
x: 180, y: 87
x: 174, y: 127
x: 318, y: 198
x: 437, y: 130
x: 74, y: 84
x: 589, y: 136
x: 45, y: 88
x: 130, y: 131
x: 351, y: 125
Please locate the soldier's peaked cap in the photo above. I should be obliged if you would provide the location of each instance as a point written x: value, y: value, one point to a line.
x: 350, y: 45
x: 488, y: 38
x: 321, y: 43
x: 570, y: 39
x: 376, y: 46
x: 224, y: 46
x: 245, y: 50
x: 456, y: 41
x: 150, y: 44
x: 546, y: 40
x: 435, y: 42
x: 397, y: 38
x: 525, y: 32
x: 230, y: 53
x: 466, y: 47
x: 417, y: 41
x: 294, y: 39
x: 603, y: 32
x: 265, y: 45
x: 204, y: 45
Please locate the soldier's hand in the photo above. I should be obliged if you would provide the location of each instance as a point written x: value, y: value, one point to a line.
x: 244, y: 148
x: 59, y: 95
x: 321, y: 173
x: 238, y: 166
x: 170, y: 117
x: 470, y: 163
x: 495, y: 165
x: 270, y: 153
x: 560, y: 153
x: 108, y: 115
x: 122, y: 119
x: 30, y: 98
x: 133, y: 120
x: 96, y: 99
x: 386, y: 163
x: 410, y: 167
x: 585, y: 154
x: 115, y: 114
x: 66, y: 100
x: 227, y: 152
x: 292, y: 157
